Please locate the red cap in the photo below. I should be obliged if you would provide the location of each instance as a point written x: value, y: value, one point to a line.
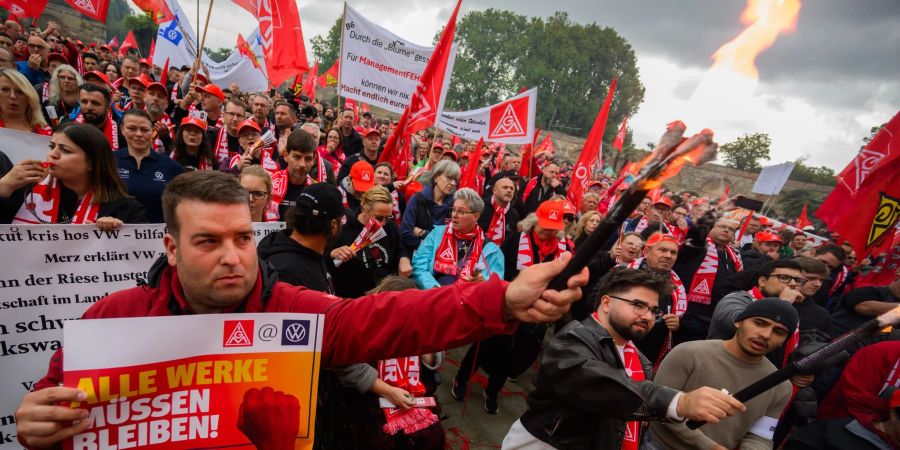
x: 569, y: 208
x: 57, y: 56
x: 158, y: 85
x: 438, y: 144
x: 661, y: 237
x: 451, y: 154
x: 98, y: 75
x: 765, y: 236
x: 195, y: 121
x: 663, y: 200
x: 550, y: 215
x: 145, y: 62
x: 369, y: 131
x: 213, y: 90
x: 142, y: 78
x: 249, y: 123
x: 106, y: 47
x: 363, y: 176
x: 202, y: 77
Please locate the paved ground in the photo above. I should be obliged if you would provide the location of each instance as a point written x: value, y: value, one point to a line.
x: 468, y: 426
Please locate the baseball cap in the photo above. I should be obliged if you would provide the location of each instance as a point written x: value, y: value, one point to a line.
x: 99, y: 76
x: 145, y: 62
x: 195, y: 121
x: 158, y: 85
x: 550, y: 215
x: 200, y: 76
x: 663, y: 200
x: 451, y: 154
x: 106, y: 47
x: 57, y: 56
x: 660, y: 237
x: 362, y: 175
x: 369, y: 131
x: 765, y: 236
x: 321, y: 200
x: 142, y: 78
x: 213, y: 90
x: 774, y: 309
x: 569, y: 208
x: 809, y: 228
x: 249, y: 123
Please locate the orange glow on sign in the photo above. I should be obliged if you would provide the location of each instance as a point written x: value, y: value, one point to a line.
x: 765, y: 20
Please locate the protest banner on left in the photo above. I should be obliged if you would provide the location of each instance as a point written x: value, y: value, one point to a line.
x: 197, y: 381
x: 52, y: 274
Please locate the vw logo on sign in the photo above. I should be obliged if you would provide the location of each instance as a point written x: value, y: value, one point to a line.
x: 295, y: 332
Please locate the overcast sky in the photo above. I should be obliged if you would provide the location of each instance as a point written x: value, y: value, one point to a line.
x: 820, y: 90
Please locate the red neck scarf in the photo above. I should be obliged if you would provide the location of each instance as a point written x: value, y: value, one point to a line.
x: 221, y: 150
x: 202, y: 165
x: 705, y: 276
x: 631, y: 363
x: 404, y: 374
x: 546, y: 248
x: 838, y: 281
x: 792, y: 341
x: 446, y: 259
x: 111, y: 130
x: 42, y: 206
x: 497, y: 228
x: 395, y: 206
x: 157, y: 145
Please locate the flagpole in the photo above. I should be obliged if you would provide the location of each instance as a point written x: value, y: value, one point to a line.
x: 198, y: 26
x: 205, y: 29
x: 337, y: 89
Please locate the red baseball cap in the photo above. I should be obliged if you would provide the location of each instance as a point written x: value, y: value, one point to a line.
x: 550, y: 215
x: 104, y: 46
x: 663, y: 200
x: 661, y: 237
x: 157, y: 84
x: 765, y: 236
x: 213, y: 90
x: 96, y: 74
x: 569, y: 208
x: 451, y: 154
x: 202, y: 77
x: 145, y: 62
x: 363, y: 176
x: 58, y: 57
x: 142, y: 78
x: 437, y: 144
x: 249, y: 123
x: 195, y: 121
x: 369, y: 131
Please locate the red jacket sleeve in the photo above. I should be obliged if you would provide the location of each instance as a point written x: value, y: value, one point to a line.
x: 394, y: 324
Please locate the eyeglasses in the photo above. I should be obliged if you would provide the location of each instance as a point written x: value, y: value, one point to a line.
x: 460, y: 212
x: 641, y: 308
x: 784, y: 278
x: 258, y: 195
x: 569, y: 217
x: 382, y: 219
x: 8, y: 92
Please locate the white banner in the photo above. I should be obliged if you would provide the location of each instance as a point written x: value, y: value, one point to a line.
x: 177, y: 42
x: 58, y: 272
x: 509, y: 122
x: 380, y: 68
x: 19, y: 145
x: 771, y: 179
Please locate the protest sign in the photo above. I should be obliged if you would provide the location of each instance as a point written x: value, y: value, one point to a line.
x: 19, y: 145
x: 509, y: 122
x: 245, y: 379
x: 52, y: 274
x: 771, y: 179
x: 380, y: 68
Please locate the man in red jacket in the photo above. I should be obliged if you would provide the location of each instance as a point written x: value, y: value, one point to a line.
x: 211, y: 267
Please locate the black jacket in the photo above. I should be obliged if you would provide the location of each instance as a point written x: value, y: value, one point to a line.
x: 583, y: 397
x: 126, y: 209
x: 484, y: 221
x: 381, y: 258
x: 296, y: 264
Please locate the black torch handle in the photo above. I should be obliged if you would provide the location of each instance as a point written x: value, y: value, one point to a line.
x: 758, y: 387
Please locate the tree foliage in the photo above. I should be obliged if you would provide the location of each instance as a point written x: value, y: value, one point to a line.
x: 144, y: 29
x: 791, y: 202
x: 747, y: 152
x: 819, y: 175
x: 218, y: 55
x: 115, y: 19
x: 327, y: 48
x: 872, y: 132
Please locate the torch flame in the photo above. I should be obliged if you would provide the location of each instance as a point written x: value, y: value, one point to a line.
x: 765, y: 20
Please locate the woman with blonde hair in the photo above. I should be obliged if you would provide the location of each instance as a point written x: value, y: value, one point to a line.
x: 384, y: 257
x: 63, y: 95
x: 20, y: 108
x: 586, y: 225
x: 258, y: 184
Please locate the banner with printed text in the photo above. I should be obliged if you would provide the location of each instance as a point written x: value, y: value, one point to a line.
x: 246, y: 379
x: 51, y: 274
x: 509, y: 122
x: 380, y: 68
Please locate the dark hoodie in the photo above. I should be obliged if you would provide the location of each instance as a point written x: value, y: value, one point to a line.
x: 422, y: 212
x: 295, y: 263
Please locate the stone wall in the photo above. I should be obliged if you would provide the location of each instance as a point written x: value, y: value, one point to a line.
x: 72, y: 22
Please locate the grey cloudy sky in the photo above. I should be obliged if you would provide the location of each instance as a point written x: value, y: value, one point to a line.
x: 820, y: 88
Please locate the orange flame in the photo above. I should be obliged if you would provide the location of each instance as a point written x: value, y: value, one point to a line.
x: 765, y: 20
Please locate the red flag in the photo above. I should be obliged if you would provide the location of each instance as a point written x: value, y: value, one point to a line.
x: 24, y: 8
x: 655, y: 194
x: 152, y: 50
x: 468, y: 178
x: 248, y: 5
x: 330, y: 77
x: 581, y: 173
x: 422, y: 109
x: 454, y: 139
x: 282, y: 39
x: 309, y: 86
x: 95, y: 9
x: 364, y: 108
x: 725, y: 194
x: 527, y: 150
x: 803, y: 219
x: 619, y: 141
x: 245, y: 51
x: 351, y: 105
x: 865, y: 205
x: 114, y: 42
x: 129, y: 42
x: 164, y: 76
x: 297, y: 85
x: 157, y: 9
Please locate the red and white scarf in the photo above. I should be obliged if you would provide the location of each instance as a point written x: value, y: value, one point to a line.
x: 525, y: 258
x: 403, y: 373
x: 221, y: 150
x: 280, y: 181
x: 111, y: 130
x: 496, y: 231
x: 42, y: 206
x: 792, y: 341
x: 395, y: 206
x: 705, y: 276
x: 45, y: 91
x: 838, y: 281
x: 271, y: 212
x: 266, y: 161
x: 321, y: 171
x: 158, y: 146
x: 202, y: 165
x: 679, y: 306
x: 446, y: 258
x: 631, y: 363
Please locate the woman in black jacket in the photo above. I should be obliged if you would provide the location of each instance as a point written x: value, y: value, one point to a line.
x: 77, y: 184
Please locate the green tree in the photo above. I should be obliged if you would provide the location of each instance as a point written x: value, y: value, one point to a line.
x: 327, y: 48
x: 218, y: 55
x: 747, y: 151
x: 872, y: 132
x: 115, y: 19
x: 791, y: 202
x: 144, y: 29
x: 819, y: 175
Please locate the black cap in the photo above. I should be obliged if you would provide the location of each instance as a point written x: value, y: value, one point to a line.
x: 321, y: 199
x: 774, y: 309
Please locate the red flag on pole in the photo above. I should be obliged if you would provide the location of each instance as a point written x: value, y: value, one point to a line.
x: 24, y: 8
x: 282, y: 39
x: 330, y: 77
x: 803, y: 219
x: 245, y: 51
x: 309, y: 85
x: 114, y: 42
x: 422, y: 109
x: 156, y: 9
x: 619, y: 141
x: 129, y: 42
x: 468, y: 178
x: 527, y: 150
x: 95, y: 9
x: 297, y: 85
x: 248, y: 5
x: 865, y: 205
x: 725, y: 194
x: 581, y: 173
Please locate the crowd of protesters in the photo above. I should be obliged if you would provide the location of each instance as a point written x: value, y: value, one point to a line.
x: 684, y: 294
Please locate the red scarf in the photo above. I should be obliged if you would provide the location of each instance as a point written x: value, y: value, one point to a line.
x: 321, y: 171
x: 271, y: 212
x: 157, y: 145
x: 395, y: 206
x: 221, y: 149
x: 838, y: 281
x: 679, y: 306
x: 792, y: 341
x: 446, y: 259
x: 497, y: 228
x: 111, y: 130
x: 705, y: 277
x: 266, y: 161
x: 546, y: 248
x: 202, y: 165
x: 532, y: 183
x: 404, y: 374
x: 42, y: 206
x: 631, y: 362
